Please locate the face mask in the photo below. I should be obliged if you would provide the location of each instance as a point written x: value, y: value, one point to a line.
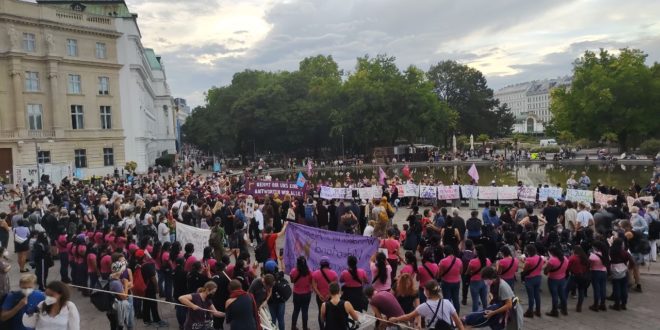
x: 50, y: 300
x: 27, y: 292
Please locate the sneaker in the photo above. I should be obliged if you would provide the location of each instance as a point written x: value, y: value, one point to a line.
x: 638, y: 288
x: 529, y: 314
x: 594, y: 308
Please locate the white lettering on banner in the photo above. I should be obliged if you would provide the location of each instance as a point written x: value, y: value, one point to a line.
x: 527, y: 194
x: 448, y: 192
x: 470, y: 191
x: 487, y: 193
x: 197, y: 236
x: 602, y: 199
x: 507, y: 193
x: 249, y: 207
x: 333, y: 193
x: 428, y: 192
x: 554, y: 192
x: 576, y: 195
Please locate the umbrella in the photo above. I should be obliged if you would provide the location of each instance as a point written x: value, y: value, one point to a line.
x: 453, y: 142
x: 471, y: 142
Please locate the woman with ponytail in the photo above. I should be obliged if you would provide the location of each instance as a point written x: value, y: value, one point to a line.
x: 478, y: 288
x: 200, y: 307
x: 380, y: 270
x: 411, y: 265
x: 353, y: 279
x: 301, y: 278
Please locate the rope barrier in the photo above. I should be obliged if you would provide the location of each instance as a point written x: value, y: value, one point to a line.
x: 401, y: 325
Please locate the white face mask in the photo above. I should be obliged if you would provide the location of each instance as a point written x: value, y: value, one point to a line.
x: 50, y: 300
x: 5, y: 254
x: 27, y: 292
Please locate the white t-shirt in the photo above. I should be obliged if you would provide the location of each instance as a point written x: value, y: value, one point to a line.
x: 583, y: 218
x: 163, y: 232
x: 368, y: 231
x: 427, y: 310
x: 259, y: 218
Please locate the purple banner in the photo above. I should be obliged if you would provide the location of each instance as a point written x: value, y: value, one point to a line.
x: 314, y: 243
x: 262, y: 188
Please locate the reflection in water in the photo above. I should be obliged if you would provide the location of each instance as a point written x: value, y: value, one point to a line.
x: 530, y: 174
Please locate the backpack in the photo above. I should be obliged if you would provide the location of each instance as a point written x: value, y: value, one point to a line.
x: 103, y: 300
x: 281, y: 289
x: 440, y: 323
x: 139, y: 286
x: 261, y: 252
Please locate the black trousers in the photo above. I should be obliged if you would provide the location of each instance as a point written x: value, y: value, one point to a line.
x: 150, y: 309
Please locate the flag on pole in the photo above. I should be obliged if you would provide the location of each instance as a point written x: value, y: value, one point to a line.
x: 309, y: 167
x: 381, y: 176
x: 472, y: 172
x: 301, y: 180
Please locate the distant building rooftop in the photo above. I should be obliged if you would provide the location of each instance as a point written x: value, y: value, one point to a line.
x: 154, y: 61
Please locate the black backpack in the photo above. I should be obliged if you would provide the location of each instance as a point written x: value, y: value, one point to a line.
x: 261, y: 252
x: 103, y: 300
x: 281, y: 289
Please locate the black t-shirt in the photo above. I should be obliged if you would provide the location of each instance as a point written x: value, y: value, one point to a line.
x: 258, y: 290
x: 149, y: 271
x: 473, y: 224
x: 551, y: 214
x: 222, y: 293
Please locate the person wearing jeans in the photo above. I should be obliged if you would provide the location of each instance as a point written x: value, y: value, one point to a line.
x: 478, y: 288
x: 621, y: 261
x: 598, y: 260
x: 532, y: 277
x: 450, y: 273
x: 556, y: 270
x: 277, y: 313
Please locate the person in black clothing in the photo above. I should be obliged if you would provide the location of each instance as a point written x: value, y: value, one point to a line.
x: 459, y: 223
x: 551, y: 214
x: 221, y: 294
x: 335, y: 311
x: 473, y: 226
x: 322, y: 216
x: 197, y: 277
x: 149, y: 308
x: 332, y: 216
x: 42, y: 260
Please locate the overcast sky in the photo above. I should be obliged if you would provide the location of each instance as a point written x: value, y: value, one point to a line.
x: 204, y: 42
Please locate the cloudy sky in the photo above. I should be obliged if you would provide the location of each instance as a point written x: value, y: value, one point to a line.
x: 204, y: 42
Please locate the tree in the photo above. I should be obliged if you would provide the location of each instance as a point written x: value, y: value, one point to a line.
x: 610, y: 93
x: 504, y: 120
x: 483, y: 138
x: 566, y: 137
x: 608, y: 138
x: 465, y: 91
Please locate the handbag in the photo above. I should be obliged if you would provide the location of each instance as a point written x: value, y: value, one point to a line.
x: 619, y: 270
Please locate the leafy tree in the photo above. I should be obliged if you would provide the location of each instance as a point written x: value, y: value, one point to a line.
x: 610, y: 93
x: 483, y: 138
x: 608, y: 138
x: 566, y: 137
x: 504, y: 120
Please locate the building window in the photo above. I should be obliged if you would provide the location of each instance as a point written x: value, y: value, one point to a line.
x: 108, y: 157
x: 104, y: 83
x: 106, y: 117
x: 43, y: 157
x: 100, y: 50
x: 74, y: 84
x: 77, y: 117
x: 35, y: 114
x: 80, y: 157
x: 31, y: 81
x: 72, y: 47
x: 29, y: 42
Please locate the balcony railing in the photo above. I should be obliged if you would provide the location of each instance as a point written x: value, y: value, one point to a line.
x: 7, y: 134
x: 41, y: 134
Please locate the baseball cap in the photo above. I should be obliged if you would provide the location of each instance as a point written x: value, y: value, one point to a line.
x: 270, y: 266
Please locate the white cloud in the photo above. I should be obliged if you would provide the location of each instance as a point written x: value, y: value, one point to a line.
x: 204, y: 42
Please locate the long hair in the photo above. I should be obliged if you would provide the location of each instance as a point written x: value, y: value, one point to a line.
x: 301, y: 266
x: 381, y: 265
x: 405, y: 286
x: 61, y: 289
x: 207, y: 287
x: 352, y: 267
x: 584, y: 259
x: 602, y: 248
x: 481, y: 254
x: 411, y: 260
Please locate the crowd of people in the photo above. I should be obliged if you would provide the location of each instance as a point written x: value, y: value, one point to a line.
x: 119, y: 235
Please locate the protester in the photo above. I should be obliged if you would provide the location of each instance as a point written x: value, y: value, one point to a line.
x: 200, y: 308
x: 18, y: 303
x: 56, y: 312
x: 383, y: 304
x: 241, y: 309
x: 435, y: 310
x: 336, y: 311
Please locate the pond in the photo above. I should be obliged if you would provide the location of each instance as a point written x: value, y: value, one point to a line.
x: 618, y: 175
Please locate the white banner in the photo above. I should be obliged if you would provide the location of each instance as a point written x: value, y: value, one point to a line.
x: 448, y: 192
x: 554, y: 192
x: 527, y: 194
x: 602, y: 199
x: 507, y: 193
x: 408, y: 190
x: 249, y: 207
x: 198, y: 237
x: 428, y: 192
x: 575, y: 195
x: 470, y: 191
x: 487, y: 193
x: 333, y: 193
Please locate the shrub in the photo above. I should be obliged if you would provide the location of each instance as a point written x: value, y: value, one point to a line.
x: 549, y: 149
x: 585, y: 143
x: 650, y: 147
x: 165, y: 160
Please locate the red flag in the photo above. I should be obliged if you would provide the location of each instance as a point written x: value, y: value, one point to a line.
x: 406, y: 171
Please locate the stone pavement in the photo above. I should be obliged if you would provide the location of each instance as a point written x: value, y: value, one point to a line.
x: 641, y: 313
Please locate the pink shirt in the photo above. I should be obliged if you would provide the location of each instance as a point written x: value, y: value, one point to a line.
x: 321, y: 283
x: 378, y: 285
x: 189, y: 262
x: 475, y: 268
x: 106, y: 263
x: 61, y: 244
x: 596, y: 263
x: 560, y: 273
x: 303, y: 284
x: 424, y: 275
x: 91, y: 263
x: 531, y: 262
x: 506, y: 264
x: 350, y: 282
x: 408, y: 269
x: 452, y: 275
x: 392, y: 247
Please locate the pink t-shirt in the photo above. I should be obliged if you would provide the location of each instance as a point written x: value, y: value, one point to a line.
x: 91, y: 263
x: 350, y: 282
x: 531, y: 262
x: 210, y: 263
x: 303, y: 284
x: 61, y: 244
x: 424, y: 275
x: 378, y: 285
x: 506, y: 264
x: 560, y: 273
x: 452, y: 275
x: 106, y: 263
x: 392, y: 247
x: 321, y: 283
x: 596, y: 263
x: 475, y: 268
x: 408, y: 269
x: 165, y: 258
x: 189, y: 262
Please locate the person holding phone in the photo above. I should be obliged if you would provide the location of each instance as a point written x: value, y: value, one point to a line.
x: 19, y: 303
